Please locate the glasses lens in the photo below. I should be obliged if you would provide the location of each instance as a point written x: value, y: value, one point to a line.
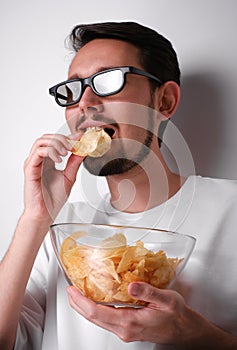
x: 69, y: 92
x: 108, y: 82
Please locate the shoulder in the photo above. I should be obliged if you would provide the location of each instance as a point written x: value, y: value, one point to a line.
x: 214, y: 188
x: 213, y: 199
x: 218, y: 182
x: 211, y: 207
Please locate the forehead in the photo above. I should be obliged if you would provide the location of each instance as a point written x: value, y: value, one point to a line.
x: 101, y: 54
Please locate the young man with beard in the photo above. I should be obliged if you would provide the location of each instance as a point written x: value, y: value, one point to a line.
x: 124, y: 78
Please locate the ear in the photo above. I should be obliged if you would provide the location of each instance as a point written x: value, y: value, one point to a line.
x: 167, y: 98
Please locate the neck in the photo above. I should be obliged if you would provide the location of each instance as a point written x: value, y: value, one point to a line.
x: 144, y: 186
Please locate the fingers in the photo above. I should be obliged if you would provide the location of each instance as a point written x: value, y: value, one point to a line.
x: 46, y: 188
x: 162, y: 321
x: 163, y: 299
x: 101, y: 315
x: 46, y: 151
x: 86, y: 307
x: 73, y: 164
x: 126, y: 323
x: 157, y: 298
x: 50, y: 149
x: 51, y: 146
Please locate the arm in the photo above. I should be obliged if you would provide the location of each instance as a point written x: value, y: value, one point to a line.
x: 166, y: 320
x: 45, y: 191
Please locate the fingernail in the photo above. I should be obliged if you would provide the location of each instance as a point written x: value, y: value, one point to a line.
x: 58, y: 159
x: 69, y: 146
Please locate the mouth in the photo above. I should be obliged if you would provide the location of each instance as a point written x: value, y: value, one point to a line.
x: 109, y: 131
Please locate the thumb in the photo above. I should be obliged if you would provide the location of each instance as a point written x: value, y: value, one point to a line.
x: 146, y: 292
x: 73, y: 164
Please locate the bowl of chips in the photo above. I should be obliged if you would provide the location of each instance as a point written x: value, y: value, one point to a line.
x: 101, y: 260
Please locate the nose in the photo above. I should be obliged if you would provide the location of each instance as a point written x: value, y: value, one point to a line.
x: 90, y: 101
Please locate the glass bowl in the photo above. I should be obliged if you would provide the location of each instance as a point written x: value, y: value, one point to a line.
x: 101, y: 260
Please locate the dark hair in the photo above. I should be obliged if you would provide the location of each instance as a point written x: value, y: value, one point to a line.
x: 157, y: 55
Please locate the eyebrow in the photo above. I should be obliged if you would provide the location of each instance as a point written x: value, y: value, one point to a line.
x: 101, y: 69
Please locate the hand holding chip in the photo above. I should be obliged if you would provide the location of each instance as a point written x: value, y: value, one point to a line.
x: 46, y: 188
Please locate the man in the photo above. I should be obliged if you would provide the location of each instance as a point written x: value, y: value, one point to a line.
x: 125, y: 78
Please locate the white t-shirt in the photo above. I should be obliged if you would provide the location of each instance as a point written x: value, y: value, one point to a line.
x: 204, y: 208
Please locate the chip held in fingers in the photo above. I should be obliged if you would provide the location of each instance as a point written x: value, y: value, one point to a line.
x: 103, y: 273
x: 95, y: 142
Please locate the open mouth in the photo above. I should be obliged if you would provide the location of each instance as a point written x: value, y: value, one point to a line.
x: 109, y: 131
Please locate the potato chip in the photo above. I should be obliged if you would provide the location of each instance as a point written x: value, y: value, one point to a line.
x: 100, y: 287
x: 103, y: 273
x: 103, y: 145
x: 77, y: 261
x: 117, y: 240
x: 70, y: 243
x: 95, y: 142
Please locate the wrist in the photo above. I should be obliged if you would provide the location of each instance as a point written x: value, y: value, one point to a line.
x: 31, y: 225
x: 205, y: 335
x: 44, y: 220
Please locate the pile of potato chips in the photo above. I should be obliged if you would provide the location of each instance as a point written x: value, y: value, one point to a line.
x: 103, y: 273
x: 95, y: 142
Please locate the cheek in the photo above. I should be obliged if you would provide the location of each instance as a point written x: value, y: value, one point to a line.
x: 71, y: 119
x: 130, y: 114
x: 137, y: 90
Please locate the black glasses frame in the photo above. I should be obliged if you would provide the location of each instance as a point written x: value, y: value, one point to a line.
x: 89, y: 82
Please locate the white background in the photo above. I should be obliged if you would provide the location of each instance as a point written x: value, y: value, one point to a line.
x: 33, y: 58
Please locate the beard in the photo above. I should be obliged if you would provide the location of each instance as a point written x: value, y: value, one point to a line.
x: 124, y: 154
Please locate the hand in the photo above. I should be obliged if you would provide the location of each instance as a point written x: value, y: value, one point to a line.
x: 165, y: 320
x: 46, y: 188
x: 160, y: 322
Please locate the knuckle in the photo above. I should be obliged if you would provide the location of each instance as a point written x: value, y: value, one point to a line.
x: 150, y: 293
x: 174, y: 302
x: 92, y: 314
x: 126, y: 337
x: 43, y: 140
x: 44, y: 136
x: 128, y: 331
x: 39, y: 139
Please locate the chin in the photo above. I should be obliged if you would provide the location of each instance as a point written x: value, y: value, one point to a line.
x: 112, y: 167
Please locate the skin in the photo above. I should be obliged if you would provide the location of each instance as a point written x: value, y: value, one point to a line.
x: 166, y: 319
x: 137, y: 91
